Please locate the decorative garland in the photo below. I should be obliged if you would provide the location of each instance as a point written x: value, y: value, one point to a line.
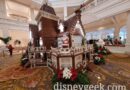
x: 70, y: 76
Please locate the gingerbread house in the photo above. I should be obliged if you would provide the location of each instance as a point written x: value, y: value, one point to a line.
x: 47, y: 24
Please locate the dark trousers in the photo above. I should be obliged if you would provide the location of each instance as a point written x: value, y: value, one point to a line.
x: 11, y: 52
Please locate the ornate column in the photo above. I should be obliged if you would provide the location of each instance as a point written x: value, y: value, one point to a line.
x: 3, y: 13
x: 128, y: 34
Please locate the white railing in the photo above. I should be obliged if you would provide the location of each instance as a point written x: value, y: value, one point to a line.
x: 70, y: 16
x: 11, y: 21
x: 94, y: 4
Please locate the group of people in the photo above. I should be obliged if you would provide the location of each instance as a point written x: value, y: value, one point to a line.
x: 110, y: 41
x: 114, y: 41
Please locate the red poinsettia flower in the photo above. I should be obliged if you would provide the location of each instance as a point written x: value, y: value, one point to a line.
x: 100, y: 49
x: 60, y: 74
x: 100, y: 55
x: 74, y: 74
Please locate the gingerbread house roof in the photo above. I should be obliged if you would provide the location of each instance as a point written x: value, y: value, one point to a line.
x: 71, y: 23
x: 48, y: 9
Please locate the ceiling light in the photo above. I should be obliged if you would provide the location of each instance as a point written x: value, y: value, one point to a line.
x: 85, y: 1
x: 101, y: 28
x: 38, y: 1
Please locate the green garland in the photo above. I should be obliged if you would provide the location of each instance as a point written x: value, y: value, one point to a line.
x: 82, y: 79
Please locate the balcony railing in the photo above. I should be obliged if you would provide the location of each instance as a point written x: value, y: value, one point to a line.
x: 94, y: 4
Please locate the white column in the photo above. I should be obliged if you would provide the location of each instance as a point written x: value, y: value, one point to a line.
x: 33, y: 21
x: 91, y: 35
x: 128, y: 34
x: 95, y: 1
x: 65, y: 10
x: 117, y: 27
x: 101, y: 34
x: 3, y: 13
x: 5, y: 32
x: 117, y: 32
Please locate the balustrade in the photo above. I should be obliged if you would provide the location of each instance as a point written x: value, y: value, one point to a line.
x: 94, y: 4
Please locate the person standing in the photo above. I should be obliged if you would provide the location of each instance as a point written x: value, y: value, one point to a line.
x: 10, y: 47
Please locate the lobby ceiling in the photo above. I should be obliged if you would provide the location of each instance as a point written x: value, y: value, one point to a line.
x: 54, y: 3
x: 106, y: 23
x: 58, y: 5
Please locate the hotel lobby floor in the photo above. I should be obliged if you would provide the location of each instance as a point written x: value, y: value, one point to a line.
x: 15, y: 77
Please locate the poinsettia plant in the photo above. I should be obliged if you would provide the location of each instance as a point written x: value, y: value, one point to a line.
x: 67, y: 74
x: 70, y: 76
x: 101, y: 50
x: 99, y: 59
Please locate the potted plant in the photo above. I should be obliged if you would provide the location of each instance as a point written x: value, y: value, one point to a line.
x: 5, y: 41
x: 99, y: 59
x: 103, y: 50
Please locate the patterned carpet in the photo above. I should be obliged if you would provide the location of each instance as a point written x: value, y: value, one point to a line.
x: 112, y: 73
x: 15, y: 77
x: 7, y: 61
x: 109, y: 77
x: 29, y: 79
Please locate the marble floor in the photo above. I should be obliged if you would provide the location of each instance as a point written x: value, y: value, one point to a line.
x: 13, y: 77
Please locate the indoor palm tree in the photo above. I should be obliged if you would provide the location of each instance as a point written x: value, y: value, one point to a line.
x: 5, y: 41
